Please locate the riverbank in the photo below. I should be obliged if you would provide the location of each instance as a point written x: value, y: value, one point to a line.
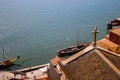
x: 37, y: 72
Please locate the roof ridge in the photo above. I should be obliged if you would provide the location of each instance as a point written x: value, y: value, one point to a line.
x: 108, y: 51
x: 84, y: 51
x: 108, y: 62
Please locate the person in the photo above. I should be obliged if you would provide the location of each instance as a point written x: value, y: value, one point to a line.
x: 34, y: 77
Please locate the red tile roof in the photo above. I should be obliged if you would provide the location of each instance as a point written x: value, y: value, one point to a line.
x: 93, y: 64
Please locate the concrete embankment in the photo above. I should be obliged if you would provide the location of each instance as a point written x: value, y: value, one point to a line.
x: 36, y: 72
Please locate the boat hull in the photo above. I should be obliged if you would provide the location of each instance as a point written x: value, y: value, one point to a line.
x: 114, y: 23
x: 7, y: 63
x: 71, y: 50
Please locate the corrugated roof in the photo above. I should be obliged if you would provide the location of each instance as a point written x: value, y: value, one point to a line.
x: 116, y: 31
x: 109, y: 45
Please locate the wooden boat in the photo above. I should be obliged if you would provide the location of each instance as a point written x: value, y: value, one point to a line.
x: 5, y: 63
x: 8, y: 63
x: 114, y: 23
x: 72, y: 49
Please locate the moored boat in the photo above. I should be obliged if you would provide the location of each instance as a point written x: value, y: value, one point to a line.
x: 6, y: 63
x: 72, y: 49
x: 114, y: 23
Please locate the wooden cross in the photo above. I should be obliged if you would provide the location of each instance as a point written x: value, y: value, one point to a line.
x: 95, y: 35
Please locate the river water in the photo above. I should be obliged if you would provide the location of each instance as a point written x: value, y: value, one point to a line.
x: 36, y: 29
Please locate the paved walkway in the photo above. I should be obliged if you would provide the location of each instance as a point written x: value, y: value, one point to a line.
x: 29, y: 75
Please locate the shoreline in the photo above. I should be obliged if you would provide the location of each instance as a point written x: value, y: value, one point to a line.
x: 37, y: 72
